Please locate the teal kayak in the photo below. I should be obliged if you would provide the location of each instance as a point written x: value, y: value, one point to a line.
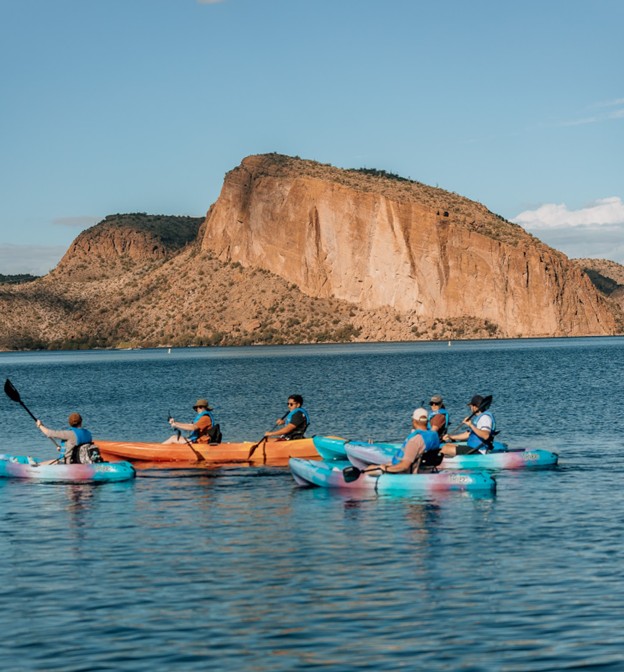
x: 330, y: 475
x: 21, y: 466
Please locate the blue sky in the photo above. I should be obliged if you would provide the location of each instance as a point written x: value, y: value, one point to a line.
x: 114, y: 106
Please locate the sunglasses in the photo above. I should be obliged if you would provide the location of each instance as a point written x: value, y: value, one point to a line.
x: 434, y: 403
x: 291, y: 403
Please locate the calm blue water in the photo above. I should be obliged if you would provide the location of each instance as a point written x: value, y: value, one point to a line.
x: 236, y: 569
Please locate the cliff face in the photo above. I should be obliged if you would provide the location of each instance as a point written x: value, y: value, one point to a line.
x: 378, y: 243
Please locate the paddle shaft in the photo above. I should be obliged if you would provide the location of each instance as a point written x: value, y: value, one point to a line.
x: 11, y: 392
x: 198, y: 455
x: 264, y: 439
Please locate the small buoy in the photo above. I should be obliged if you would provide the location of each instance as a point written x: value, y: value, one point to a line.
x: 449, y: 344
x: 169, y: 351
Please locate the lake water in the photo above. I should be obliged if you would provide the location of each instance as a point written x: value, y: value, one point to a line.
x: 237, y: 569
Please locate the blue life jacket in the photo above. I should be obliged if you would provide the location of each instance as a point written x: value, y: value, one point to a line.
x: 82, y: 435
x: 194, y: 435
x: 299, y: 432
x: 442, y: 411
x: 430, y: 437
x: 475, y: 441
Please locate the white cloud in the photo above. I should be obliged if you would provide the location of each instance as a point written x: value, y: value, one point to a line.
x: 596, y: 230
x: 34, y: 259
x: 603, y: 212
x: 605, y: 113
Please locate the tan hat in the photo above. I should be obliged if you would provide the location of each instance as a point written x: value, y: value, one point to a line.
x: 75, y: 419
x: 436, y: 399
x: 420, y: 415
x: 202, y: 402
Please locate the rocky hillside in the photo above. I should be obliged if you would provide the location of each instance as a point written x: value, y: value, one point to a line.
x: 297, y: 252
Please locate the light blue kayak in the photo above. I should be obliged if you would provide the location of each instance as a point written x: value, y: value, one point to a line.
x: 331, y: 475
x: 333, y: 448
x: 361, y: 454
x: 21, y: 466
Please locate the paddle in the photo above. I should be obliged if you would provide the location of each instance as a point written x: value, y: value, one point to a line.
x: 264, y: 439
x: 12, y: 393
x: 198, y: 455
x: 252, y: 450
x: 352, y: 473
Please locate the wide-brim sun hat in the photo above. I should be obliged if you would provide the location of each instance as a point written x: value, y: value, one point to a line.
x: 202, y: 402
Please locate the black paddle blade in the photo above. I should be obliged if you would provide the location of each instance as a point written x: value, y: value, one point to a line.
x: 486, y: 403
x: 351, y: 474
x: 11, y: 392
x: 252, y: 450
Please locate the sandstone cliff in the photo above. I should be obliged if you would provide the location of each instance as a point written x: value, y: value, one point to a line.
x: 608, y: 278
x: 376, y: 243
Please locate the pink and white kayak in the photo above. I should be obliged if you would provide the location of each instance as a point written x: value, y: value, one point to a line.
x: 361, y: 454
x: 330, y: 475
x: 21, y: 466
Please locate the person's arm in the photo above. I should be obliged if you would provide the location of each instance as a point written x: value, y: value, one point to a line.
x: 482, y: 432
x: 203, y: 423
x: 414, y: 447
x: 63, y: 435
x: 290, y: 427
x: 456, y: 437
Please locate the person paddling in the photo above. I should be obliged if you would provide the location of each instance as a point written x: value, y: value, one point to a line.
x: 479, y: 436
x: 292, y: 425
x: 76, y: 441
x: 202, y: 429
x: 420, y: 450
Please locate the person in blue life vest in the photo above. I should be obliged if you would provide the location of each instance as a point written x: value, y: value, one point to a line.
x: 72, y: 439
x: 293, y: 424
x: 438, y: 417
x: 478, y: 436
x: 420, y: 450
x: 201, y: 428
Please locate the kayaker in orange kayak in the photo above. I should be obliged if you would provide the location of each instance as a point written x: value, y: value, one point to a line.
x: 201, y: 429
x: 292, y: 425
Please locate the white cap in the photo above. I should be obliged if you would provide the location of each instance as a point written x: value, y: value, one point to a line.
x: 420, y: 414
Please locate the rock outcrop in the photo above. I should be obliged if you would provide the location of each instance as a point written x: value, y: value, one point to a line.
x: 377, y: 242
x: 119, y: 242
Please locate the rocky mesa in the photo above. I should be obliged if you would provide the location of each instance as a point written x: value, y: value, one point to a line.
x: 376, y: 242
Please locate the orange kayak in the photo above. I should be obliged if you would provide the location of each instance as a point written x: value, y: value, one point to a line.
x: 275, y: 453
